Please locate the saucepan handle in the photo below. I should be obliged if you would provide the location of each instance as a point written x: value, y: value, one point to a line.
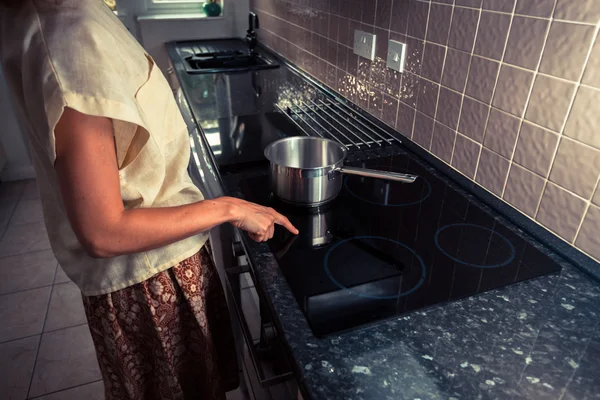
x: 371, y: 173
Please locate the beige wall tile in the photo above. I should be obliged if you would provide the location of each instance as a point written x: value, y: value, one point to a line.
x: 523, y: 189
x: 588, y: 238
x: 578, y: 10
x: 466, y: 154
x: 561, y: 211
x: 596, y: 198
x: 583, y: 123
x: 592, y: 71
x: 525, y: 42
x: 566, y: 49
x: 512, y: 89
x: 549, y: 102
x: 535, y: 148
x: 576, y: 167
x: 501, y: 132
x: 492, y: 171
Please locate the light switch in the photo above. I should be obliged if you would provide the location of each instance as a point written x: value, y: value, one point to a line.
x: 364, y: 44
x: 396, y: 55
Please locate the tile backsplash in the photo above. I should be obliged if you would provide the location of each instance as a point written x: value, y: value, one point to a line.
x: 507, y: 92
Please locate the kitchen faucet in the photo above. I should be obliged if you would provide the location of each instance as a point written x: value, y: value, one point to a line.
x: 251, y: 38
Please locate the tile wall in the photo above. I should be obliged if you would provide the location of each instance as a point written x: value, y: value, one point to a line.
x: 507, y: 92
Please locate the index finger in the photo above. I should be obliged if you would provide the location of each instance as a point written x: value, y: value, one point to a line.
x: 283, y: 221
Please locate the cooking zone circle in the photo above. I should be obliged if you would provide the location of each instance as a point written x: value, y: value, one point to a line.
x: 386, y: 193
x: 474, y: 245
x: 379, y: 268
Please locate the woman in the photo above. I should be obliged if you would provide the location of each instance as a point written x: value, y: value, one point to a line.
x: 125, y: 222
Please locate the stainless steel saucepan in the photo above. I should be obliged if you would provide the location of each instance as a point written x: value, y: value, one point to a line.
x: 307, y: 170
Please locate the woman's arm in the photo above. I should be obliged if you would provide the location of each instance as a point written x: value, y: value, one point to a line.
x: 86, y: 165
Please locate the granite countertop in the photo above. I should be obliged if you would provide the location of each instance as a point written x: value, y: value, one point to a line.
x: 538, y: 339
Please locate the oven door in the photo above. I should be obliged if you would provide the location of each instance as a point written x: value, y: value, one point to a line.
x: 265, y: 369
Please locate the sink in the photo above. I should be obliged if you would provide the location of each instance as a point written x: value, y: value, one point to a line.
x: 207, y: 62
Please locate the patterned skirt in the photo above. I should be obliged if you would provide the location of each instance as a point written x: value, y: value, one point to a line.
x: 167, y: 338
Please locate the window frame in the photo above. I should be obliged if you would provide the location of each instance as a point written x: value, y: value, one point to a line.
x: 175, y: 5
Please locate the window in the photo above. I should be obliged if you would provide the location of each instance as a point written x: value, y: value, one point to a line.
x: 176, y: 5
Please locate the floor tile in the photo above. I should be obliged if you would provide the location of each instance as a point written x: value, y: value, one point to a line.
x: 20, y: 239
x: 27, y: 211
x: 61, y: 277
x: 66, y: 307
x: 236, y: 394
x: 22, y: 313
x: 66, y: 359
x: 30, y: 192
x: 11, y: 190
x: 27, y: 271
x: 16, y: 365
x: 91, y: 391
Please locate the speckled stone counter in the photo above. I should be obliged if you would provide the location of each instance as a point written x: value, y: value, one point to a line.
x: 538, y: 339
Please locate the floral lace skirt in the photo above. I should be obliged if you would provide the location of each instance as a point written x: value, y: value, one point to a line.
x: 167, y: 338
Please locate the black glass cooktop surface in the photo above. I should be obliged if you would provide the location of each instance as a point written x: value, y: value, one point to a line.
x: 383, y: 249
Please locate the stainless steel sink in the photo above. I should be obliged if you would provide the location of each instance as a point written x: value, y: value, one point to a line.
x: 211, y: 61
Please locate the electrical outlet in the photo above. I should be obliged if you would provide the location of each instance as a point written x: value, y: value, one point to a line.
x: 396, y: 55
x: 364, y: 44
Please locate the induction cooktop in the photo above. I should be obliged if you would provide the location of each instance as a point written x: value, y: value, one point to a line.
x: 384, y: 249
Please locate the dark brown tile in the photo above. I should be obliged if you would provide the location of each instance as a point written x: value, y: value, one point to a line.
x: 592, y: 71
x: 442, y: 144
x: 332, y: 48
x: 331, y: 77
x: 463, y: 28
x: 439, y: 23
x: 583, y: 123
x: 368, y: 14
x: 409, y: 89
x: 468, y: 3
x: 580, y: 11
x: 549, y: 102
x: 334, y: 22
x: 428, y: 96
x: 381, y: 43
x: 392, y: 83
x: 506, y: 6
x: 466, y: 154
x: 414, y: 54
x: 523, y: 189
x: 399, y: 17
x: 342, y: 57
x: 405, y: 119
x: 423, y: 130
x: 448, y: 107
x: 501, y: 132
x: 576, y: 167
x: 482, y: 78
x: 417, y: 19
x: 492, y: 34
x: 375, y: 102
x: 492, y: 171
x: 561, y: 211
x: 535, y: 8
x: 535, y: 148
x: 455, y: 69
x: 512, y: 89
x: 389, y: 110
x: 472, y: 119
x: 588, y: 239
x: 352, y: 64
x: 566, y: 50
x: 383, y: 14
x: 433, y: 61
x: 344, y: 35
x: 525, y: 41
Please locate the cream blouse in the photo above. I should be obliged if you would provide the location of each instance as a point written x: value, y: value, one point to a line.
x: 78, y: 54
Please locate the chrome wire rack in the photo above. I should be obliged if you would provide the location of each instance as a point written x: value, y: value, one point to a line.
x: 334, y: 120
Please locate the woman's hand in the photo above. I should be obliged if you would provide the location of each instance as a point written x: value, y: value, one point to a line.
x: 257, y: 220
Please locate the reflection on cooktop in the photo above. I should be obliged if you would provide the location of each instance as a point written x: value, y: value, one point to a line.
x: 356, y: 262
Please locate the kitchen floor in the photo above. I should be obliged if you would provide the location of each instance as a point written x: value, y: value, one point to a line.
x: 46, y: 351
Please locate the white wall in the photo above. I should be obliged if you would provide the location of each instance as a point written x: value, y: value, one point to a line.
x: 18, y: 161
x: 153, y: 32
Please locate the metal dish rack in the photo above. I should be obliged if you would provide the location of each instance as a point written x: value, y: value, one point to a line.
x: 334, y: 120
